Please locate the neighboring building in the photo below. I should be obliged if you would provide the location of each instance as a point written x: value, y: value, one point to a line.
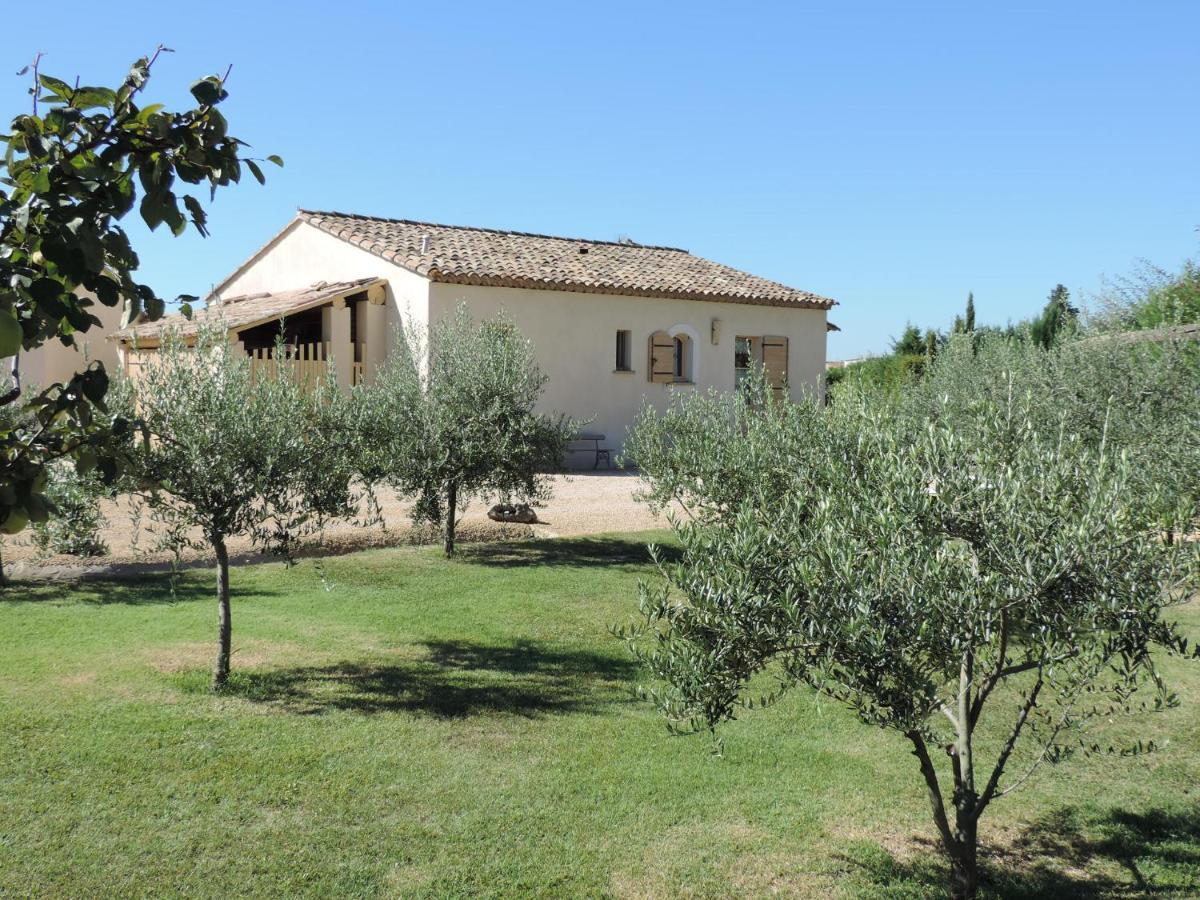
x: 613, y: 324
x: 850, y: 361
x: 55, y: 363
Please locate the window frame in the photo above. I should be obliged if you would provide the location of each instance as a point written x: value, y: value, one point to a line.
x: 682, y: 362
x: 624, y: 350
x: 754, y: 355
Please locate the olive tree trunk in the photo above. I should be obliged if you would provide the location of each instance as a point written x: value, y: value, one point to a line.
x: 964, y: 860
x: 224, y: 622
x: 964, y: 851
x: 451, y: 516
x: 959, y: 839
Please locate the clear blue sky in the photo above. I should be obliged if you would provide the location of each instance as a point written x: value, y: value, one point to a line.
x: 890, y: 155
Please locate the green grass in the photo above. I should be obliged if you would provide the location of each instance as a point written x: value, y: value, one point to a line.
x: 468, y: 728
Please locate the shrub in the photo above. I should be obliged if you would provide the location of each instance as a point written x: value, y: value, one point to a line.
x: 1151, y: 297
x: 889, y: 373
x: 75, y: 522
x: 1142, y: 399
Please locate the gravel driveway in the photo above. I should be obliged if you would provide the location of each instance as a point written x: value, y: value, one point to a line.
x: 582, y: 503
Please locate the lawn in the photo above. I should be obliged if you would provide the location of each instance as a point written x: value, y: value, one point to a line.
x: 401, y: 725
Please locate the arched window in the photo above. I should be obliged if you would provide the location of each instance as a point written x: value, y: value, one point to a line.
x: 672, y: 356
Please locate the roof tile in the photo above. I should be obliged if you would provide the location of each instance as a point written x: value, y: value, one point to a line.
x: 481, y: 256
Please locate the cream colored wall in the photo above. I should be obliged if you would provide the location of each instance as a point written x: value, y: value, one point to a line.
x: 53, y: 363
x: 303, y: 255
x: 574, y: 336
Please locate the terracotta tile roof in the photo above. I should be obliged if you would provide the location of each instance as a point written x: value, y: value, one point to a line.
x: 246, y: 310
x: 482, y: 256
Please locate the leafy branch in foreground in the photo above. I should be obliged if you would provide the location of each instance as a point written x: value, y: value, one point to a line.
x: 73, y: 167
x: 981, y: 587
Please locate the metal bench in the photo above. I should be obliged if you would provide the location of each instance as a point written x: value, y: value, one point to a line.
x: 585, y: 437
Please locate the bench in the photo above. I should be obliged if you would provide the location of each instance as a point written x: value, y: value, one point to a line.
x: 601, y: 453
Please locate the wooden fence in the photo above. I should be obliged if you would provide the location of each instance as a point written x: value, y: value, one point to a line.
x: 309, y: 362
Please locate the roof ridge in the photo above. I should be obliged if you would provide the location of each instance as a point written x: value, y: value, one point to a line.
x: 533, y: 234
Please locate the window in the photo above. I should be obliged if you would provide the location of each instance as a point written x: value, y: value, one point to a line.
x: 671, y: 359
x: 770, y: 353
x: 743, y: 359
x: 682, y: 358
x: 624, y: 357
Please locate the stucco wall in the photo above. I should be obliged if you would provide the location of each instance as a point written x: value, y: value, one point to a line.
x: 574, y: 336
x: 53, y: 363
x: 303, y: 255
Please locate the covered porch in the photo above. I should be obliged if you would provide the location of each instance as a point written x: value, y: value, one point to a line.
x: 343, y: 323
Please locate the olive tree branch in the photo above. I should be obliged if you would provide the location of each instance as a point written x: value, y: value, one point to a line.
x: 938, y: 805
x: 1041, y: 758
x: 1026, y: 708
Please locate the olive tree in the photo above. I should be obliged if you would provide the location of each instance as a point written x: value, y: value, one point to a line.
x: 225, y: 451
x: 452, y: 414
x: 983, y: 589
x: 1137, y: 397
x: 75, y: 164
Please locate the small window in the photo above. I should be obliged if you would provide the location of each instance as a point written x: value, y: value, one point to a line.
x: 770, y: 353
x: 624, y: 358
x: 743, y: 359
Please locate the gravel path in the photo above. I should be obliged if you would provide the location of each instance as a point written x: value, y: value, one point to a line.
x: 582, y: 503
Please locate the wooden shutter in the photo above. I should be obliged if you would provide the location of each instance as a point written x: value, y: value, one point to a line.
x: 775, y: 361
x: 661, y: 363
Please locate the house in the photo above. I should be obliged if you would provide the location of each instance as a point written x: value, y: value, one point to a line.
x: 614, y: 323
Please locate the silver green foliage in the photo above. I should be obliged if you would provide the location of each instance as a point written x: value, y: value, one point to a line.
x: 221, y: 451
x: 453, y: 415
x: 75, y: 524
x: 971, y: 565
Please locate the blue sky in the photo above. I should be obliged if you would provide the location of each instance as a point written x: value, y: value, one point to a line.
x: 893, y: 156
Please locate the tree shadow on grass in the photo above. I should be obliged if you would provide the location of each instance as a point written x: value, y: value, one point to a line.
x: 605, y: 552
x: 456, y: 679
x: 1066, y: 854
x: 146, y: 590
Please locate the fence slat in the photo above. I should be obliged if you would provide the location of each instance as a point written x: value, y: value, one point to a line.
x: 307, y: 361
